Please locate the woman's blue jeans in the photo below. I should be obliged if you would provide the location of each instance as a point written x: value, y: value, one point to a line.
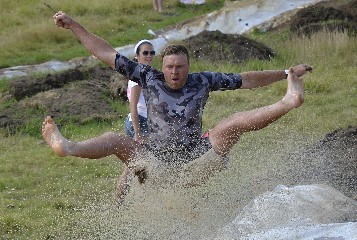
x: 129, y: 129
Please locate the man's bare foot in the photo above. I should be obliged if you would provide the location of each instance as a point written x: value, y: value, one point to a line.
x: 294, y: 96
x: 54, y: 138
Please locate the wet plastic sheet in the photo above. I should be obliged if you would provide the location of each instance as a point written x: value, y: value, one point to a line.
x: 300, y: 212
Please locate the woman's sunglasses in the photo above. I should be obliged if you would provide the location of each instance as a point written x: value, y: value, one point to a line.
x: 145, y: 53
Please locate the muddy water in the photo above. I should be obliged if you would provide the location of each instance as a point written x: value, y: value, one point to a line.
x: 192, y: 213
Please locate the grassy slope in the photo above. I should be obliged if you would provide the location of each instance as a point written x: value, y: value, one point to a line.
x: 28, y: 34
x: 40, y: 193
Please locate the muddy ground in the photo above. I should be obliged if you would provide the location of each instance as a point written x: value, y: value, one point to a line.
x: 83, y: 94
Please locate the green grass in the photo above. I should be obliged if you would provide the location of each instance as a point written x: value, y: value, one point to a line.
x: 40, y: 192
x: 41, y: 195
x: 28, y: 34
x: 329, y: 89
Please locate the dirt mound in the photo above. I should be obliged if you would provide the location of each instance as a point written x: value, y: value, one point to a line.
x: 331, y: 15
x: 28, y: 86
x: 215, y: 46
x: 79, y: 95
x: 332, y: 161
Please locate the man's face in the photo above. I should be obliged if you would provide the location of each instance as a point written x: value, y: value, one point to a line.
x: 175, y: 69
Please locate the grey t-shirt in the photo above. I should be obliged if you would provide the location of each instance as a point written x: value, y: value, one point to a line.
x: 175, y: 116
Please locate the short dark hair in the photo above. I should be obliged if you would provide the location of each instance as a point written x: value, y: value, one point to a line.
x: 174, y: 49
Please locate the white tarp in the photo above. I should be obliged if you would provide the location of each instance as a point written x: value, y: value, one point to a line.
x: 337, y: 231
x: 193, y: 1
x: 300, y: 212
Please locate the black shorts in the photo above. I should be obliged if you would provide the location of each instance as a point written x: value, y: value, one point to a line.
x: 181, y: 153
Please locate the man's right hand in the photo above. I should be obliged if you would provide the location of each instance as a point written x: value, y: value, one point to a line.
x: 62, y: 20
x: 94, y: 44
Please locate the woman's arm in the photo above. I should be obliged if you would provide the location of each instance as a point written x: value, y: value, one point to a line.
x: 133, y: 106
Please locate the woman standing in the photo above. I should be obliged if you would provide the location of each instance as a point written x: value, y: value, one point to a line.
x: 157, y: 5
x: 136, y: 123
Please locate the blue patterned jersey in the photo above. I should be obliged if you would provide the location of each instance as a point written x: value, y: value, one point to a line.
x: 175, y: 116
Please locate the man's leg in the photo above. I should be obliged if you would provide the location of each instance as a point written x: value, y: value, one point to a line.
x: 123, y: 185
x: 227, y: 132
x: 105, y: 145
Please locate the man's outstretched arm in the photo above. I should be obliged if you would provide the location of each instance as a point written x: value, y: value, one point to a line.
x: 94, y: 44
x: 263, y: 78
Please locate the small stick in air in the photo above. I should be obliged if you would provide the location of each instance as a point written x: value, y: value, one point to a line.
x: 47, y: 5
